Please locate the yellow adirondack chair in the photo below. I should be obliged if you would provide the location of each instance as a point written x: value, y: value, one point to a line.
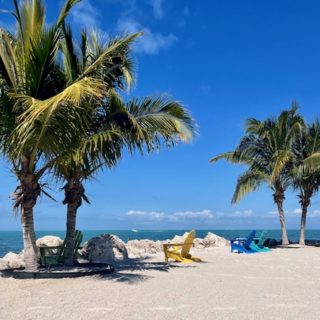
x: 173, y: 251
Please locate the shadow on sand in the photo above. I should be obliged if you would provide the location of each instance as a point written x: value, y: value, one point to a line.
x: 130, y: 271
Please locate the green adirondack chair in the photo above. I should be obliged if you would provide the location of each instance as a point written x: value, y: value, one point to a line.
x: 56, y: 258
x: 258, y: 245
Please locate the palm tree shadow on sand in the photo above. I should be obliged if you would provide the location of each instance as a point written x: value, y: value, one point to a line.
x: 130, y: 271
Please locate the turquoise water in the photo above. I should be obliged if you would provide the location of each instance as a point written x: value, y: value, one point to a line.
x: 12, y: 240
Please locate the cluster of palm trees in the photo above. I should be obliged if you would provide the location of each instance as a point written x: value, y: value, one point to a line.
x: 282, y: 152
x: 62, y: 114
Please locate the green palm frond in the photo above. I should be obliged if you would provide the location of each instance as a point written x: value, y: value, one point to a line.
x: 282, y: 158
x: 161, y: 115
x: 247, y: 182
x: 8, y: 59
x: 313, y: 162
x: 42, y: 115
x: 108, y: 53
x: 68, y: 5
x: 229, y: 156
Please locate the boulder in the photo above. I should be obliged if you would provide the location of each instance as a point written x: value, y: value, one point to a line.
x: 49, y: 241
x: 212, y: 240
x: 3, y: 264
x: 14, y: 260
x: 178, y: 239
x: 198, y: 243
x: 104, y: 248
x: 143, y: 248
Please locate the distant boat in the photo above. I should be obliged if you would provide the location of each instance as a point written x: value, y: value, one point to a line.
x: 134, y: 230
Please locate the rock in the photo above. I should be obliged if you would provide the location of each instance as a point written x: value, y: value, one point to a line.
x: 3, y: 264
x: 14, y: 260
x: 270, y: 243
x: 198, y: 243
x: 143, y: 248
x: 49, y: 241
x: 104, y: 248
x: 212, y: 240
x: 178, y: 239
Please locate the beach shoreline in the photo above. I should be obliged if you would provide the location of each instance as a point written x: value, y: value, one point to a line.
x: 281, y: 284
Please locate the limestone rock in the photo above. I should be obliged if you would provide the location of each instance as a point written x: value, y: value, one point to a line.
x: 104, y: 248
x: 212, y: 240
x: 49, y: 241
x: 14, y: 260
x: 143, y: 248
x: 198, y: 243
x: 3, y: 264
x: 178, y: 239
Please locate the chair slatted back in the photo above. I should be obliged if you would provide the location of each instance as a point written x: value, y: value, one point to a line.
x: 77, y: 241
x: 188, y: 243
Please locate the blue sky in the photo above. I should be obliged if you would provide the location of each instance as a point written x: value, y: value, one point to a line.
x: 226, y: 61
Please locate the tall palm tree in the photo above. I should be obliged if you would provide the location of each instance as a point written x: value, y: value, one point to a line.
x: 138, y: 124
x: 304, y: 179
x: 43, y: 112
x: 266, y: 150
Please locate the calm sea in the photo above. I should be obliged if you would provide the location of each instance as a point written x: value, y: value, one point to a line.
x: 12, y: 240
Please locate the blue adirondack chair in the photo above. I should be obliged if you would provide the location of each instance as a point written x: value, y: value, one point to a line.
x: 242, y: 245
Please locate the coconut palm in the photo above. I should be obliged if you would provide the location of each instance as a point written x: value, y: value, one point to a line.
x: 304, y: 179
x: 138, y: 124
x: 43, y: 112
x: 266, y: 150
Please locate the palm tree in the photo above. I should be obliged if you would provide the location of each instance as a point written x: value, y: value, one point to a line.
x: 305, y: 179
x: 266, y: 150
x: 43, y: 112
x: 138, y: 124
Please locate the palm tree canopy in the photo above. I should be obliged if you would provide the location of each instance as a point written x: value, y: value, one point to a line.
x: 48, y: 88
x: 305, y: 172
x: 266, y: 150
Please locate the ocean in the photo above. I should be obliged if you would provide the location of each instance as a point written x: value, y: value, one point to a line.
x: 12, y: 240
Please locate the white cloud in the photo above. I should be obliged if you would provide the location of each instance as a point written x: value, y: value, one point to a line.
x: 297, y: 211
x: 136, y: 213
x: 150, y: 42
x: 242, y: 214
x: 86, y: 15
x: 314, y: 213
x: 176, y: 216
x: 157, y: 8
x: 204, y: 214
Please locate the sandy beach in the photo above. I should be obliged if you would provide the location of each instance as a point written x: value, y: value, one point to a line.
x: 282, y: 284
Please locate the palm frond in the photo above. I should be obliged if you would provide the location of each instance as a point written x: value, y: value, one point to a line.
x: 247, y: 182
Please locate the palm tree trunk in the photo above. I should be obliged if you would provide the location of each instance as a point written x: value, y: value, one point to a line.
x: 74, y: 192
x: 29, y: 239
x: 284, y: 235
x: 70, y: 235
x: 303, y: 225
x: 278, y: 199
x: 26, y: 198
x: 305, y: 202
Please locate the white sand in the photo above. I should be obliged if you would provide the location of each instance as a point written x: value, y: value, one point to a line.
x: 283, y: 284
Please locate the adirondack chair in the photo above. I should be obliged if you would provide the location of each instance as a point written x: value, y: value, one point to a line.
x: 173, y: 251
x: 258, y: 244
x: 262, y: 239
x: 243, y: 245
x: 56, y: 254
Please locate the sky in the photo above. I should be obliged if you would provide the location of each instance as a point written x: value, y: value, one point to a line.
x: 226, y: 61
